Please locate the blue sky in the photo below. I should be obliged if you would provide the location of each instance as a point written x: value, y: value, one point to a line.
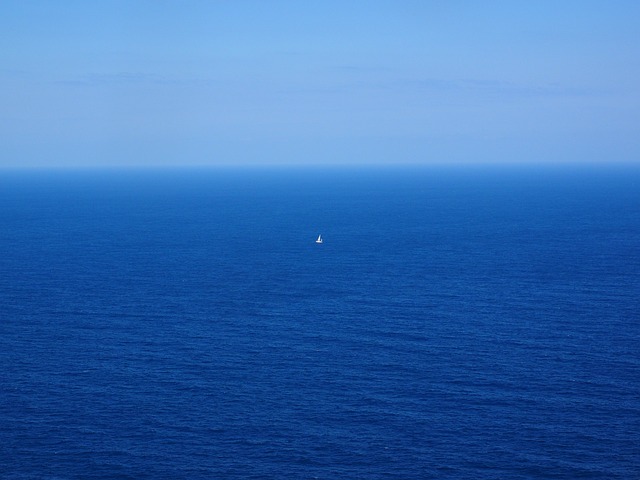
x: 295, y: 82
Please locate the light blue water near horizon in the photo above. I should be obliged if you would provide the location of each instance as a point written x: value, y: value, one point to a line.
x: 476, y: 322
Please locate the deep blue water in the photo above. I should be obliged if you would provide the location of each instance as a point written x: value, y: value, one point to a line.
x: 456, y: 323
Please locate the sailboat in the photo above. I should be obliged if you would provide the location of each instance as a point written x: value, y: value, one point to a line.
x: 319, y: 240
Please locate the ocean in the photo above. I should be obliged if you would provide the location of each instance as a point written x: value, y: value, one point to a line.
x: 456, y: 323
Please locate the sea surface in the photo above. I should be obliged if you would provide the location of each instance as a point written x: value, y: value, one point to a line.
x: 456, y: 323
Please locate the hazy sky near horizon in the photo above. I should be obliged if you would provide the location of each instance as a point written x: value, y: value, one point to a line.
x: 257, y: 81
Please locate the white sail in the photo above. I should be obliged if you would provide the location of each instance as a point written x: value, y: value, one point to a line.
x: 319, y: 240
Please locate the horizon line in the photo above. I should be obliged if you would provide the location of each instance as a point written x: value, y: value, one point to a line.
x: 317, y: 165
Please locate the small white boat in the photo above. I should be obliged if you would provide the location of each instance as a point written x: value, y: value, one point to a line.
x: 319, y: 240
